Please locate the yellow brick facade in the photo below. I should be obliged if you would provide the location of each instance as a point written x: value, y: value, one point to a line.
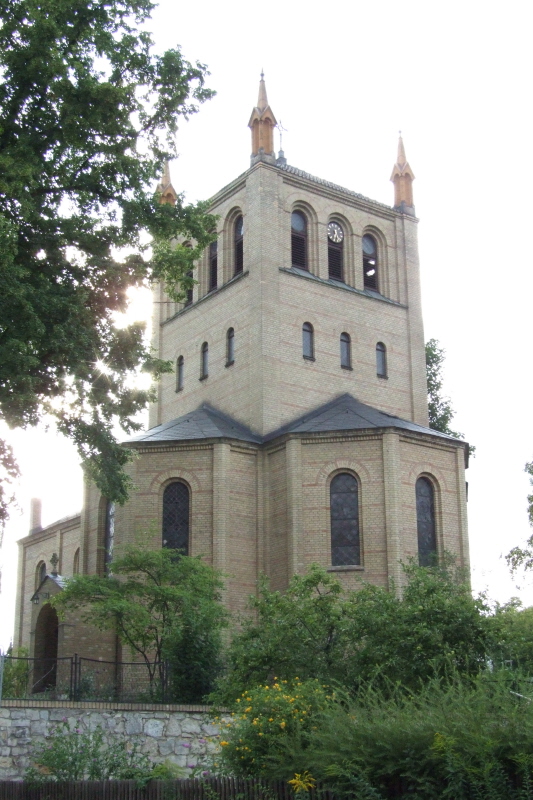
x: 263, y: 505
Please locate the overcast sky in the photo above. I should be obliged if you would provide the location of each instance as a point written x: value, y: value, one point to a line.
x: 343, y: 79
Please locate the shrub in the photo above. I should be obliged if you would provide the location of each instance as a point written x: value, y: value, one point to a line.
x: 270, y: 719
x: 16, y: 673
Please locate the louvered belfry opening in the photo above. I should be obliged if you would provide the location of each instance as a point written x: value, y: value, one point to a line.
x: 213, y: 265
x: 176, y: 517
x: 344, y: 505
x: 370, y: 262
x: 299, y: 240
x: 335, y: 260
x: 238, y: 243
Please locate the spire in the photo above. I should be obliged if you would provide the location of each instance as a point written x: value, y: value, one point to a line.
x: 165, y: 188
x: 262, y: 124
x: 403, y: 177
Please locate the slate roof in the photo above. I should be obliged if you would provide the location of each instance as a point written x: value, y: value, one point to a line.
x: 344, y: 413
x: 301, y: 174
x: 59, y: 580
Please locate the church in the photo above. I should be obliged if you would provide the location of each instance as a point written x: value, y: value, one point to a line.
x: 294, y: 429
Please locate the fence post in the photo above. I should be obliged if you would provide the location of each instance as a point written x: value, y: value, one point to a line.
x: 74, y: 682
x: 2, y: 662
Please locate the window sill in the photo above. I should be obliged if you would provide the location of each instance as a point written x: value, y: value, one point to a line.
x: 229, y: 363
x: 350, y: 369
x: 347, y: 568
x: 203, y: 378
x: 309, y: 358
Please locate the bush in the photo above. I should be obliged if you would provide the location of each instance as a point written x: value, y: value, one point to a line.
x: 271, y: 718
x: 72, y: 754
x: 16, y: 673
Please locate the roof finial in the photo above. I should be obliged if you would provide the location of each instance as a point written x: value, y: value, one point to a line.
x: 403, y: 177
x: 54, y: 561
x: 165, y: 188
x: 262, y: 123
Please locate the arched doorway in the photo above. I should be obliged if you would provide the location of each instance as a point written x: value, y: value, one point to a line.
x: 46, y: 640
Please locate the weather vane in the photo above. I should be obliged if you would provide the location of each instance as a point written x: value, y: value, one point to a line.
x: 281, y: 130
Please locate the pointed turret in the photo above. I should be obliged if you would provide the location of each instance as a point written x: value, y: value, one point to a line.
x: 262, y: 124
x: 403, y: 177
x: 165, y: 188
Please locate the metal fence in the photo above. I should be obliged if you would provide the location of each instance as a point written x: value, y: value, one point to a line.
x: 77, y: 678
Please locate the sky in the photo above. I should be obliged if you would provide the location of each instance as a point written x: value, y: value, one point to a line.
x: 455, y: 78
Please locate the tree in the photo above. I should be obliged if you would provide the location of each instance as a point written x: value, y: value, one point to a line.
x: 156, y: 600
x: 88, y: 115
x: 522, y: 557
x: 316, y: 631
x: 440, y: 408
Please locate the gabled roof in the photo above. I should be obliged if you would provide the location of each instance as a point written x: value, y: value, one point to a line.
x: 59, y: 580
x: 344, y: 413
x: 204, y: 423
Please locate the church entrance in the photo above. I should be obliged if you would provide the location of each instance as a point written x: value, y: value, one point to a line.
x: 46, y: 641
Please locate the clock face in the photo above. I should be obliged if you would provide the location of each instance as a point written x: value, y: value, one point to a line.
x: 335, y: 232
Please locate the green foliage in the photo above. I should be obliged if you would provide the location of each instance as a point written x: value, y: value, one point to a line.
x: 522, y: 557
x: 74, y: 754
x: 268, y: 717
x: 88, y: 114
x: 511, y: 628
x: 314, y: 630
x: 154, y: 600
x: 440, y: 408
x: 449, y: 741
x: 16, y: 673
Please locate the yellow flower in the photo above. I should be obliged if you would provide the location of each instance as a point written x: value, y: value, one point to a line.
x: 224, y: 744
x: 282, y: 724
x: 271, y: 719
x: 302, y: 782
x: 246, y: 710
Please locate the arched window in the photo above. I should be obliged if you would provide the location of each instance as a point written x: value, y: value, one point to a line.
x: 188, y: 296
x: 109, y: 536
x: 76, y: 562
x: 213, y: 265
x: 425, y: 522
x: 299, y: 240
x: 204, y: 361
x: 344, y: 510
x: 335, y: 251
x: 370, y: 262
x: 381, y: 360
x: 308, y: 345
x: 180, y: 373
x: 238, y: 245
x: 176, y: 517
x: 40, y: 574
x: 230, y: 347
x: 346, y: 351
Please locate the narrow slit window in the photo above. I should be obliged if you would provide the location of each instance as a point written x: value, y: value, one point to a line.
x: 204, y: 361
x: 370, y: 262
x: 299, y: 240
x: 308, y: 345
x: 238, y: 245
x: 109, y: 536
x: 230, y: 347
x: 180, y: 373
x: 346, y: 351
x: 176, y: 503
x: 425, y: 522
x: 189, y: 291
x: 213, y: 266
x: 335, y: 251
x: 344, y: 511
x: 381, y: 360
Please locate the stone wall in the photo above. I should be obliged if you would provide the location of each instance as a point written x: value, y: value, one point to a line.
x: 183, y: 735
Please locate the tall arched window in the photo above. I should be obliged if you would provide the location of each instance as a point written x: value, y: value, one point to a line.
x: 176, y: 517
x: 213, y: 265
x: 180, y: 373
x: 425, y: 522
x: 230, y: 347
x: 308, y: 344
x: 40, y: 573
x: 346, y: 351
x: 204, y: 361
x: 299, y: 240
x: 238, y: 245
x: 381, y: 360
x: 344, y: 510
x: 188, y: 295
x: 335, y: 251
x: 76, y: 562
x: 109, y: 536
x: 370, y: 262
